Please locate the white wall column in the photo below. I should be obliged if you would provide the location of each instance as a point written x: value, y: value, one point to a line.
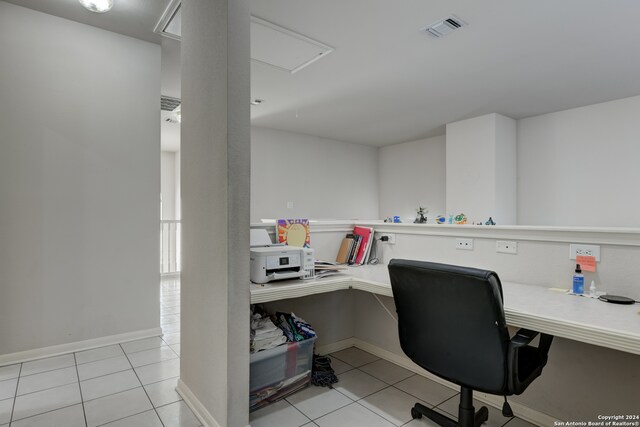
x: 481, y: 168
x: 215, y: 157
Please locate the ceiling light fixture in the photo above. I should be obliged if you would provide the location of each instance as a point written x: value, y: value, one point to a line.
x: 98, y: 6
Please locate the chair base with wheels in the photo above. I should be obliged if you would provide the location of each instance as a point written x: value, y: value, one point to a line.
x: 467, y: 416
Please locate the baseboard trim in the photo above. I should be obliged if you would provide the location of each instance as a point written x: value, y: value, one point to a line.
x: 196, y: 406
x: 55, y: 350
x: 524, y: 412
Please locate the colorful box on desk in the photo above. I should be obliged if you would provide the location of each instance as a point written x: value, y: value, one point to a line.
x: 279, y: 372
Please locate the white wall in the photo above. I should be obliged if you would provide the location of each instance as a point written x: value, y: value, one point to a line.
x: 580, y: 166
x: 412, y: 174
x: 168, y: 182
x: 79, y: 181
x: 324, y: 179
x: 481, y: 161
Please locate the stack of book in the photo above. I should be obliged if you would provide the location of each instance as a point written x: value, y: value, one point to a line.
x: 356, y: 247
x: 327, y: 268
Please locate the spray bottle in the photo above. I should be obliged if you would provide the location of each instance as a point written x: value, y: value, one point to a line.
x: 578, y: 281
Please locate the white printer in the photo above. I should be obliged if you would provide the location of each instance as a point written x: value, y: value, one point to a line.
x: 281, y: 262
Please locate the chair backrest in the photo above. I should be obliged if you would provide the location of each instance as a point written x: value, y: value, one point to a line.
x: 451, y: 322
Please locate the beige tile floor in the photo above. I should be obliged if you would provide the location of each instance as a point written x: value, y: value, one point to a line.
x: 133, y: 384
x: 128, y: 384
x: 371, y: 392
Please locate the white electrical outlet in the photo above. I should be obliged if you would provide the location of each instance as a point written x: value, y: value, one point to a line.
x: 464, y: 244
x: 506, y: 247
x: 289, y: 205
x: 588, y: 250
x: 391, y: 236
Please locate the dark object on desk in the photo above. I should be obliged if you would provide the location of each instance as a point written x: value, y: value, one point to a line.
x: 616, y: 299
x: 451, y: 322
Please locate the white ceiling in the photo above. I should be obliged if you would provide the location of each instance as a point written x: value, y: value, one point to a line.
x: 134, y: 18
x: 387, y: 82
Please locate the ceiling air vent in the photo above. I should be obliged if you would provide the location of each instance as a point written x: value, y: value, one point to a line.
x: 445, y: 26
x: 168, y: 104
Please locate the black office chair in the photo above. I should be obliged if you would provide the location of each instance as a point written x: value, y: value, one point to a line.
x: 451, y: 323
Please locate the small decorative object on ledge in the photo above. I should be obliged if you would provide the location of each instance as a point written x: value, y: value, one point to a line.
x: 451, y: 219
x: 460, y: 219
x: 396, y: 219
x: 490, y: 221
x: 388, y: 219
x: 440, y: 219
x: 421, y: 215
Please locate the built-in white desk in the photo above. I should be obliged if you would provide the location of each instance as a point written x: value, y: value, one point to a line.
x: 577, y: 318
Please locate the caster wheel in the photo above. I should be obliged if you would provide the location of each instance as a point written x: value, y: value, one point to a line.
x: 415, y: 414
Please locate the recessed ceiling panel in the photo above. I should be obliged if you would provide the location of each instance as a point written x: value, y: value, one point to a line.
x: 175, y: 24
x: 170, y: 23
x: 282, y: 48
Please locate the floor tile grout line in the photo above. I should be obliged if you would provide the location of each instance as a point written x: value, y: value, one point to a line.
x: 342, y: 407
x: 49, y: 370
x: 105, y: 375
x: 332, y: 411
x: 111, y: 394
x: 446, y: 400
x: 15, y: 396
x: 129, y: 389
x: 125, y: 354
x: 124, y: 418
x: 170, y: 403
x: 360, y: 398
x: 45, y: 412
x: 375, y: 413
x: 413, y: 395
x: 80, y: 389
x: 145, y: 390
x: 399, y: 389
x: 93, y: 361
x: 48, y: 388
x: 303, y: 414
x: 368, y: 363
x: 386, y: 382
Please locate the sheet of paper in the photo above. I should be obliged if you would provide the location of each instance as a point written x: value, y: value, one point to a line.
x: 587, y: 263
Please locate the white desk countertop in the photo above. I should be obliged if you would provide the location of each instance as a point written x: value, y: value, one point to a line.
x: 534, y: 307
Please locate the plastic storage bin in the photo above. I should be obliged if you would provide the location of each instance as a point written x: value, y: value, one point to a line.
x: 277, y: 372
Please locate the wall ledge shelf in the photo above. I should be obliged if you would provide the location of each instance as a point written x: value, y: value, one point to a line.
x: 594, y: 235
